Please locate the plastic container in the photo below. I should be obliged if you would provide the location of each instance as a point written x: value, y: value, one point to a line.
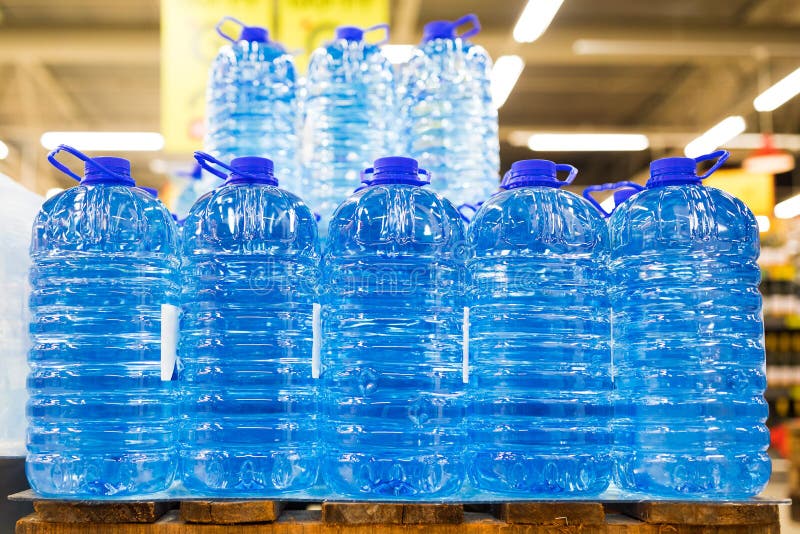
x: 350, y: 116
x: 392, y: 309
x: 540, y: 335
x: 250, y: 256
x: 20, y: 207
x: 688, y: 339
x: 449, y: 122
x: 251, y: 103
x: 102, y: 412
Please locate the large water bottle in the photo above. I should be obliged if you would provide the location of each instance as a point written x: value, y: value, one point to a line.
x: 251, y: 103
x: 540, y: 336
x: 102, y: 412
x: 349, y: 116
x: 688, y: 339
x: 449, y: 122
x: 392, y: 311
x: 20, y: 207
x: 250, y: 256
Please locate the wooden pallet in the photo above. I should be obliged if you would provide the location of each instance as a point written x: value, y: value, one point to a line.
x: 272, y: 517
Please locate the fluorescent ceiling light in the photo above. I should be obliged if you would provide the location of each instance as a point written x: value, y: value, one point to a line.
x: 789, y: 208
x: 105, y: 141
x: 763, y: 223
x: 778, y: 94
x: 3, y: 150
x: 587, y: 142
x: 398, y: 53
x: 534, y: 19
x: 505, y: 74
x: 716, y: 136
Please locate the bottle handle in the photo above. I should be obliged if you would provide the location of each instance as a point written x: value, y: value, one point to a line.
x: 587, y: 193
x: 721, y: 157
x: 466, y: 206
x: 225, y: 19
x: 469, y: 18
x: 384, y: 27
x: 51, y: 157
x: 572, y: 172
x: 207, y: 162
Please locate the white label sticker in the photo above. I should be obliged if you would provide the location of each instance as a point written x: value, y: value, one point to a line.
x: 465, y: 359
x: 316, y: 347
x: 169, y: 339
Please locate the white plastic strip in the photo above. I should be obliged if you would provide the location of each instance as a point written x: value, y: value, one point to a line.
x: 465, y: 356
x: 169, y: 339
x: 316, y: 345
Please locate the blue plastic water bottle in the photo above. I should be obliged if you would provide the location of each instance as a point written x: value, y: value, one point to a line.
x: 449, y: 122
x: 392, y: 308
x: 251, y: 103
x: 349, y: 116
x: 688, y: 339
x: 622, y: 191
x: 250, y: 256
x: 540, y: 334
x: 102, y: 412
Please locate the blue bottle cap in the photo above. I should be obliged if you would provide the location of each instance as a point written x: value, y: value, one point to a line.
x: 537, y: 172
x: 398, y: 170
x: 446, y: 29
x: 682, y: 171
x: 251, y: 170
x: 349, y: 33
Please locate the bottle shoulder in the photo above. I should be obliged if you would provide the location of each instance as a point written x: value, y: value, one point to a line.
x: 250, y: 218
x: 259, y: 58
x: 538, y: 220
x: 104, y: 218
x: 396, y: 219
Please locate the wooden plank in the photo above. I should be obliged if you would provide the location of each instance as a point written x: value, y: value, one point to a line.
x: 105, y: 512
x: 231, y: 512
x: 554, y: 513
x: 360, y: 513
x: 706, y: 514
x: 432, y: 514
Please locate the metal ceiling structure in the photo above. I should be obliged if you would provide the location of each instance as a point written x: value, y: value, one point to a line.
x: 666, y: 69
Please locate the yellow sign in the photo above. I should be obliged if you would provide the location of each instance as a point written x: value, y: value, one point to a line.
x: 304, y: 25
x: 189, y: 43
x: 757, y: 190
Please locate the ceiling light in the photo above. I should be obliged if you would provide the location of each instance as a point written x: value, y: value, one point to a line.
x: 587, y: 142
x: 716, y: 136
x: 534, y: 20
x: 105, y: 141
x: 3, y: 150
x: 767, y: 159
x: 398, y: 53
x: 778, y: 94
x: 505, y: 73
x: 763, y: 223
x: 789, y: 208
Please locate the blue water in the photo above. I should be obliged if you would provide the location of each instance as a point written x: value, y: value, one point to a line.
x: 349, y: 121
x: 250, y: 259
x: 392, y: 309
x: 102, y: 421
x: 252, y: 108
x: 540, y: 355
x: 448, y: 121
x: 688, y: 345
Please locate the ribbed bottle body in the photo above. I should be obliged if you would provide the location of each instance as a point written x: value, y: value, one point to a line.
x: 249, y: 272
x: 349, y: 121
x: 252, y: 108
x: 448, y: 121
x: 102, y: 411
x: 392, y: 309
x: 540, y: 354
x: 688, y: 345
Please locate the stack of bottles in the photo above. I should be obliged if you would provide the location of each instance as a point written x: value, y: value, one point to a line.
x: 415, y: 358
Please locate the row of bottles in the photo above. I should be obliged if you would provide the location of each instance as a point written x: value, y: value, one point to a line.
x: 355, y: 107
x: 447, y: 355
